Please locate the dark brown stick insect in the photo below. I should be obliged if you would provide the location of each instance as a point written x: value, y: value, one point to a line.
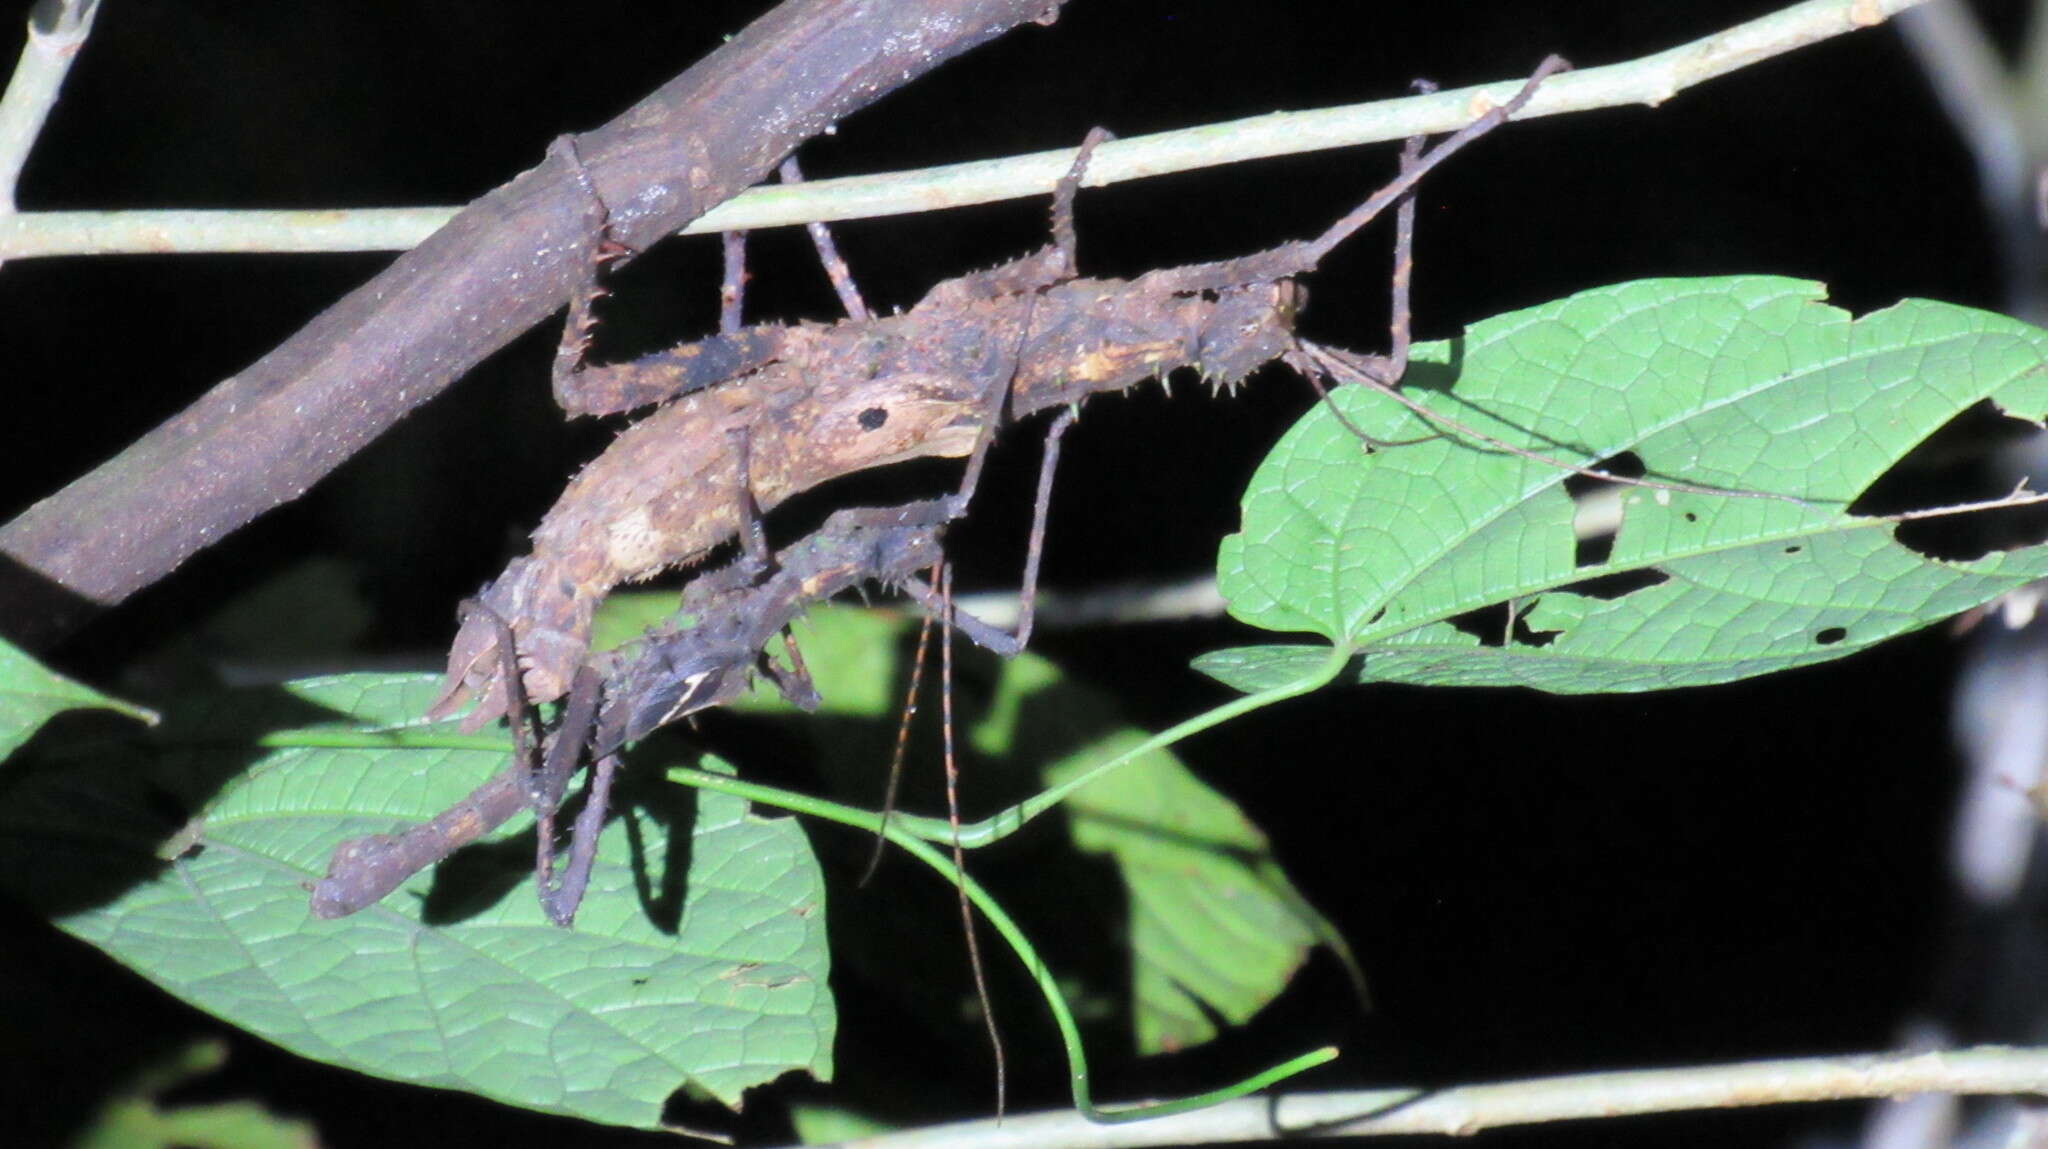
x: 772, y: 410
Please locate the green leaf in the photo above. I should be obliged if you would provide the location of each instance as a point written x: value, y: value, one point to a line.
x: 1254, y: 668
x: 30, y: 693
x: 713, y: 979
x: 1216, y: 928
x: 1747, y: 384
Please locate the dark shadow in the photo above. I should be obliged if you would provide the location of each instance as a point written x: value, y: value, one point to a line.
x: 90, y: 807
x: 482, y: 874
x: 1437, y: 376
x: 36, y: 612
x: 674, y: 809
x: 1620, y: 584
x: 479, y: 876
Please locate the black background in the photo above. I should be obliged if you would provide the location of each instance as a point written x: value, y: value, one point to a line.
x: 1535, y: 885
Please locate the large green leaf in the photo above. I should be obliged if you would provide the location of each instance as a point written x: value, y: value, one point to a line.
x: 1215, y: 928
x: 714, y: 979
x: 30, y: 693
x: 1749, y: 384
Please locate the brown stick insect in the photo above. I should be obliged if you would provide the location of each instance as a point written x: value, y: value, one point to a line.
x: 772, y: 410
x: 819, y: 401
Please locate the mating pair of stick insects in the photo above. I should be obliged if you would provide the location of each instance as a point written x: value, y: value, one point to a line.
x: 754, y: 415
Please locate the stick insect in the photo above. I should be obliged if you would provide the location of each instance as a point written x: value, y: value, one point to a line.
x: 820, y: 401
x: 776, y: 409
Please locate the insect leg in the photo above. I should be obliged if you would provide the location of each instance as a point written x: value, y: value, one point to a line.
x: 794, y: 681
x: 519, y: 716
x: 1027, y: 595
x: 828, y: 254
x: 732, y: 288
x: 582, y: 320
x: 995, y: 1037
x: 753, y: 539
x: 1314, y: 250
x: 1389, y: 369
x: 559, y: 902
x: 1063, y: 201
x: 924, y: 635
x: 1400, y: 328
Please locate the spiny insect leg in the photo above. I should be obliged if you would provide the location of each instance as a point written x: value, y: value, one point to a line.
x: 577, y: 327
x: 1063, y: 200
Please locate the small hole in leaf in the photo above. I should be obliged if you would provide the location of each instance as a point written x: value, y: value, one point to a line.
x: 1794, y: 549
x: 1831, y: 636
x: 1495, y: 626
x: 1691, y: 518
x: 1613, y: 586
x: 1977, y: 456
x: 1376, y: 616
x: 1488, y: 624
x: 1627, y: 465
x: 1597, y: 507
x: 1524, y: 636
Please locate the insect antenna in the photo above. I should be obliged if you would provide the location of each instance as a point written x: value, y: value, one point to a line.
x: 924, y: 636
x: 988, y: 1016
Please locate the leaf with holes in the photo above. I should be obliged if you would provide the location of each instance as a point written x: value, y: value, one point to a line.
x: 713, y: 979
x: 31, y: 694
x: 1448, y: 561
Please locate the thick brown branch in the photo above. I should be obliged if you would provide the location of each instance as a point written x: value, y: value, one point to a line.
x: 264, y: 436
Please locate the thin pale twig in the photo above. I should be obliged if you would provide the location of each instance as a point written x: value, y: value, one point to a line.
x: 1650, y: 80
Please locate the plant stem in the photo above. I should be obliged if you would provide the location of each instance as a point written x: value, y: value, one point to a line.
x: 1649, y: 80
x: 1468, y: 1109
x: 1070, y: 1033
x: 56, y: 32
x: 1003, y: 823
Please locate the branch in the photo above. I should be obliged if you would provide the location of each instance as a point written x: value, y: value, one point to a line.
x: 1650, y: 80
x: 56, y: 31
x: 1468, y: 1109
x: 262, y: 437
